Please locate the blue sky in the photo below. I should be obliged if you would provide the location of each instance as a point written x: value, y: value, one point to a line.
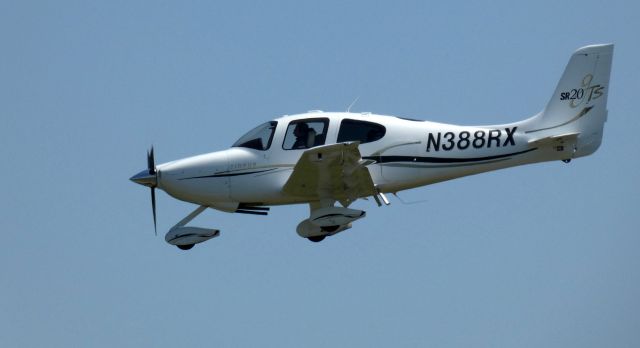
x: 541, y: 255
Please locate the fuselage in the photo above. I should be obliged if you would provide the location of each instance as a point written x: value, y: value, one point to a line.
x: 403, y: 154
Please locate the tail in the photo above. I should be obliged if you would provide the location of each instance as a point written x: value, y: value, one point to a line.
x: 578, y: 108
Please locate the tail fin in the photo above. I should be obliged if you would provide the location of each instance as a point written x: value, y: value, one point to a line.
x: 579, y: 104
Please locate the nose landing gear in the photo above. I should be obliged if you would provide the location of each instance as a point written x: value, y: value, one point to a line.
x: 185, y: 237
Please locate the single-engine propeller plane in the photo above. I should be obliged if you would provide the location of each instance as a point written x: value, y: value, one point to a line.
x: 323, y: 158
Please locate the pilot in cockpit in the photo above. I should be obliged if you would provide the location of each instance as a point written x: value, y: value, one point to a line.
x: 305, y: 137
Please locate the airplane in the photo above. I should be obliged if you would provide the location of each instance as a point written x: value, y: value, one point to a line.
x: 328, y: 160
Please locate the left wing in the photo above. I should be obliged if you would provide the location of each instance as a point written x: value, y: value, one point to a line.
x: 335, y: 171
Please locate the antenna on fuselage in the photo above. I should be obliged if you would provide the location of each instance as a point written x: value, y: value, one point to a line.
x: 409, y: 203
x: 353, y: 103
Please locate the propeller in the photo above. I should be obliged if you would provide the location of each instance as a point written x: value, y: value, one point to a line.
x: 151, y: 165
x: 149, y: 178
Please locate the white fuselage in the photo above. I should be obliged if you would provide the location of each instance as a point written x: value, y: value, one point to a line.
x: 410, y: 154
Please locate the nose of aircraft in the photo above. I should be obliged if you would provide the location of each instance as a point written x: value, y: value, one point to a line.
x: 196, y: 179
x: 145, y: 178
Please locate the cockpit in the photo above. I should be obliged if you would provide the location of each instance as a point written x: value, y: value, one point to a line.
x: 258, y: 138
x: 310, y: 132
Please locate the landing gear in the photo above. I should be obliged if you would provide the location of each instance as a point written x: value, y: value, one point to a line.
x: 330, y: 228
x: 185, y: 247
x: 567, y: 160
x: 316, y: 239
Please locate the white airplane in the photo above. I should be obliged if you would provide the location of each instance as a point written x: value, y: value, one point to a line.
x: 321, y: 158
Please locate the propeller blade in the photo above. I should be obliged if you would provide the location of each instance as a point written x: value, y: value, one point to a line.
x: 153, y: 207
x: 151, y: 165
x: 151, y: 162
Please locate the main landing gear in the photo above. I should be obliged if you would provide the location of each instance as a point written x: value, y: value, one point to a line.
x: 328, y: 229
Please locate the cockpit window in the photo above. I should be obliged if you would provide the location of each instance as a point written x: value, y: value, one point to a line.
x: 305, y: 134
x: 362, y: 131
x: 258, y: 138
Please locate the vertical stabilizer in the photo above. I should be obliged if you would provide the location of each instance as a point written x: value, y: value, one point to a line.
x: 579, y: 103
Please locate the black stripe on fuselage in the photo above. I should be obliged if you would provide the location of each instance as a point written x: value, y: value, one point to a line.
x: 392, y: 159
x: 226, y: 174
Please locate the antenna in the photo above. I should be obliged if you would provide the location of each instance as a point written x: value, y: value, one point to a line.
x: 409, y: 203
x: 353, y: 103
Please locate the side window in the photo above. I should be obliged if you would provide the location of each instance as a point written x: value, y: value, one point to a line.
x: 362, y: 131
x: 305, y: 134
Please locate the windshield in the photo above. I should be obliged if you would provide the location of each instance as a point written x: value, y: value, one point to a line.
x: 258, y: 138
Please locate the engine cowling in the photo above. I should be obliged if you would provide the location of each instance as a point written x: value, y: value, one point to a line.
x: 187, y: 235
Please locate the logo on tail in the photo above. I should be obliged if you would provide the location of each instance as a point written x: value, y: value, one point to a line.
x: 577, y: 95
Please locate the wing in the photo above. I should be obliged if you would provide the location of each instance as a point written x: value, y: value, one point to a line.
x: 335, y: 171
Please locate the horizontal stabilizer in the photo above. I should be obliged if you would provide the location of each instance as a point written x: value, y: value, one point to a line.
x: 564, y: 145
x: 555, y: 140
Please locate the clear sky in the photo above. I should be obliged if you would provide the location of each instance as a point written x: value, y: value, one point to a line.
x: 536, y: 256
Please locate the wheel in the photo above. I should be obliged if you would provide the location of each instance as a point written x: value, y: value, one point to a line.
x: 330, y: 228
x: 185, y: 247
x: 566, y: 160
x: 316, y: 239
